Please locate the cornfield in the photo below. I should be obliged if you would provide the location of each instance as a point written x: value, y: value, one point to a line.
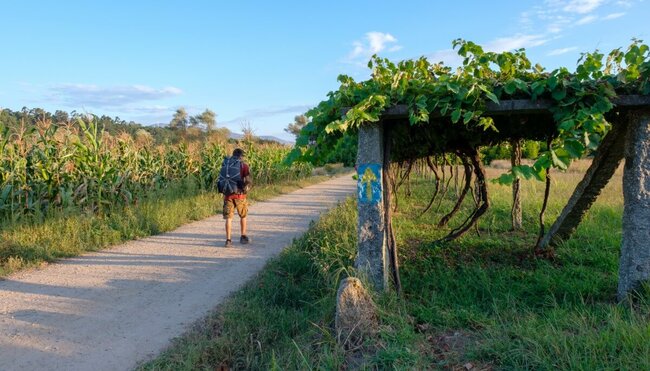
x: 50, y: 167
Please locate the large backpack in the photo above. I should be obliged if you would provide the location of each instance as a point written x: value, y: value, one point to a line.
x: 230, y: 180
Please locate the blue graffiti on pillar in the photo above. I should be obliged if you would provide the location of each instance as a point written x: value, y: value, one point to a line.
x: 369, y: 183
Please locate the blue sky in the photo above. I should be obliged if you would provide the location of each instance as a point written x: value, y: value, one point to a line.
x: 265, y: 62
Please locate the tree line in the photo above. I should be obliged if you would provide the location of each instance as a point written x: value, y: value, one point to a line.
x: 182, y: 127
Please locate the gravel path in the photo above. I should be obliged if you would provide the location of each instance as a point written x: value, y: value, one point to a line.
x: 112, y: 309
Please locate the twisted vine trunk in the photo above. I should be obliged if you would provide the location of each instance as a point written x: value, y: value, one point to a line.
x: 515, y: 160
x: 547, y: 192
x: 468, y: 183
x: 481, y: 184
x: 404, y: 176
x: 388, y: 215
x: 607, y: 159
x: 434, y: 170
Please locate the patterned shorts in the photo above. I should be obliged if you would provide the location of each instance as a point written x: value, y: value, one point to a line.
x: 229, y: 207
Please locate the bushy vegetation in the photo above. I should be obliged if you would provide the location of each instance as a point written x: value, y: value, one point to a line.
x: 530, y: 150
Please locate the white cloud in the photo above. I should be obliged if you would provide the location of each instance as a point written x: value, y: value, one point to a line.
x: 379, y: 40
x: 515, y: 42
x: 85, y: 95
x: 373, y: 43
x: 582, y: 6
x: 450, y: 57
x: 149, y: 110
x: 586, y: 20
x: 255, y: 113
x: 549, y: 18
x: 554, y: 17
x: 562, y: 51
x: 265, y: 112
x: 613, y: 16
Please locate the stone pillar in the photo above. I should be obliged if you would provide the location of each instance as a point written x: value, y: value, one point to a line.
x: 372, y: 256
x: 634, y: 265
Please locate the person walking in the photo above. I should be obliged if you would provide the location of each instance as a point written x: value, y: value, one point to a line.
x: 234, y: 182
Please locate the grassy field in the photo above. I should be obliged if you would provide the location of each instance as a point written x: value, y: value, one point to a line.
x: 482, y: 302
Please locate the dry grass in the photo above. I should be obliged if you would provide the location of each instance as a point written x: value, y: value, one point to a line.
x: 578, y: 166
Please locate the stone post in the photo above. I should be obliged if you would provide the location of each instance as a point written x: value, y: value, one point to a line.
x: 634, y: 265
x: 372, y: 256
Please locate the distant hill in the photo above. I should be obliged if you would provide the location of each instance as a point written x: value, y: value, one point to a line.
x: 265, y: 137
x: 238, y: 136
x: 276, y: 139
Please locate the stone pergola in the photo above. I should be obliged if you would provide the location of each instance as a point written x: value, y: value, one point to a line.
x: 629, y: 138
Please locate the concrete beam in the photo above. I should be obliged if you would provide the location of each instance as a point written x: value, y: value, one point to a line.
x: 518, y: 107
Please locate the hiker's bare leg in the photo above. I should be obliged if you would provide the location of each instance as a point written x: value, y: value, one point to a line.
x: 242, y: 222
x: 228, y: 228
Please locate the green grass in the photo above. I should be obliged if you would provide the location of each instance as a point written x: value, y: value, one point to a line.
x: 514, y: 311
x: 524, y: 313
x: 484, y: 300
x: 32, y: 243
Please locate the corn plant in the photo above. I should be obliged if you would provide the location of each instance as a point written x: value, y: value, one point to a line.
x: 47, y: 168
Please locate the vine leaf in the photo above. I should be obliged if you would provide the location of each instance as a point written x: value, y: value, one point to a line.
x: 560, y: 160
x: 455, y: 116
x: 558, y: 95
x: 574, y: 148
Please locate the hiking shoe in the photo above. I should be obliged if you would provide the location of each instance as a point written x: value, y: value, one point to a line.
x: 244, y: 240
x: 228, y: 243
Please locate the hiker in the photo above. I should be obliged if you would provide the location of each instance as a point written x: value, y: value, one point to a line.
x: 234, y: 182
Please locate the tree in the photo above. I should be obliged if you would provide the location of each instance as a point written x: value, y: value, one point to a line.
x: 39, y: 114
x: 219, y: 135
x: 195, y: 121
x: 298, y: 123
x: 8, y: 118
x: 143, y: 138
x: 61, y: 117
x: 179, y: 121
x: 248, y: 131
x: 209, y: 118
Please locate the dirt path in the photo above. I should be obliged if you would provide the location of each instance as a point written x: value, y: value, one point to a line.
x: 111, y: 309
